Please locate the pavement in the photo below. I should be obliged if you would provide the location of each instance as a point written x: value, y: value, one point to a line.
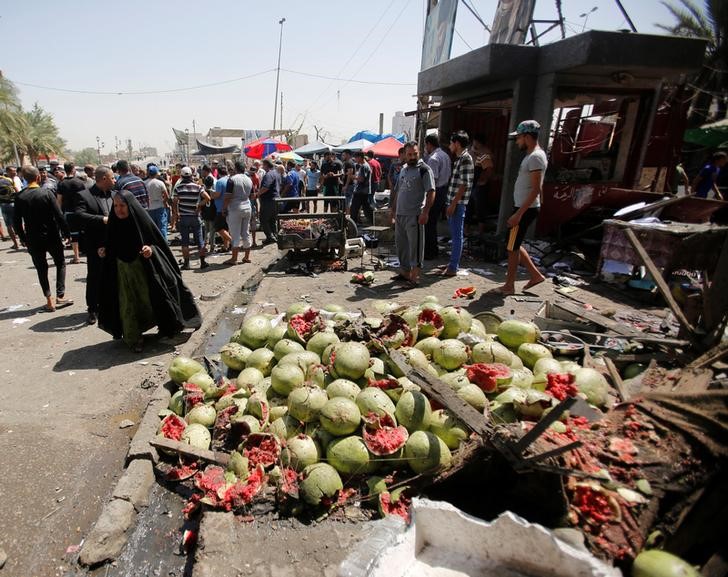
x: 71, y: 400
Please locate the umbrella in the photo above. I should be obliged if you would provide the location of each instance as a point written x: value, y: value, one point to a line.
x: 353, y: 146
x: 265, y: 147
x: 388, y: 147
x: 312, y: 148
x: 291, y: 155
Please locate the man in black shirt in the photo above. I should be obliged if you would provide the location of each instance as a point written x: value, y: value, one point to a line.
x: 347, y: 181
x: 331, y: 171
x: 67, y: 194
x: 40, y: 225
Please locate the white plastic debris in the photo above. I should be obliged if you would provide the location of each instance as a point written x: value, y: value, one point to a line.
x: 442, y: 541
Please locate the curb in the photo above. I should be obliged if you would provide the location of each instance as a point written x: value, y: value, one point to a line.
x: 110, y: 533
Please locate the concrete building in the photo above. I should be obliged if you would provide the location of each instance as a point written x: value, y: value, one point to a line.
x: 609, y: 118
x: 403, y: 124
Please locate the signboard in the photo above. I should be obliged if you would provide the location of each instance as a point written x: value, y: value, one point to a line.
x: 439, y: 27
x: 511, y: 20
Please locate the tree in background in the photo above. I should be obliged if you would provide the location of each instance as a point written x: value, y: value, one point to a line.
x: 711, y: 83
x: 41, y: 136
x: 11, y: 120
x: 86, y: 156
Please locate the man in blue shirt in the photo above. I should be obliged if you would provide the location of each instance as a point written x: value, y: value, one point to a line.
x: 221, y: 226
x: 706, y: 179
x: 133, y: 184
x: 291, y: 187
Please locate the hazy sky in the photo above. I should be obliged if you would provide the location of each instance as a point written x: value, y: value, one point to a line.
x: 164, y: 45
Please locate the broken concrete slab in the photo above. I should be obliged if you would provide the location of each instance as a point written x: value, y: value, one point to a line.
x: 139, y: 447
x: 108, y: 536
x: 136, y: 483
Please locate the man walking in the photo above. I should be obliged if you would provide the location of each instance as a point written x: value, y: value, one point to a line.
x: 90, y: 216
x: 8, y: 192
x: 706, y: 180
x: 189, y: 198
x: 221, y: 226
x: 40, y: 224
x: 411, y: 202
x: 527, y: 201
x: 347, y: 179
x: 267, y: 193
x: 132, y: 183
x: 158, y: 199
x: 362, y: 189
x: 461, y: 185
x: 439, y: 161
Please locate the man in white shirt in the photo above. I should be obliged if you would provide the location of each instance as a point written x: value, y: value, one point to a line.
x: 158, y: 199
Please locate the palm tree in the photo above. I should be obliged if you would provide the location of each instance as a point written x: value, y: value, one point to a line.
x: 11, y: 120
x: 41, y: 134
x: 711, y: 83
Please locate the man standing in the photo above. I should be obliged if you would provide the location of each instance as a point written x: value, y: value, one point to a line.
x: 347, y: 180
x: 268, y: 192
x: 7, y: 204
x: 394, y: 168
x: 209, y: 212
x: 411, y: 202
x: 12, y: 174
x: 67, y: 193
x: 40, y: 225
x: 706, y: 180
x: 313, y: 178
x: 291, y: 187
x: 132, y: 183
x: 90, y: 216
x: 439, y: 161
x: 376, y: 167
x: 221, y: 226
x: 189, y: 198
x: 90, y: 171
x: 527, y: 201
x: 158, y: 199
x: 362, y: 188
x: 461, y: 185
x: 332, y: 170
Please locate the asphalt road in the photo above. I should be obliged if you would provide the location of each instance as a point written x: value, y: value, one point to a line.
x: 66, y: 389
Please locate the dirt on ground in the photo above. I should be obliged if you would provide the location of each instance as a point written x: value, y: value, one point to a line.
x: 67, y: 387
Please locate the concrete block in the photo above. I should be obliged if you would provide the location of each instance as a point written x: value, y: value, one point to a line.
x: 139, y: 447
x: 136, y: 483
x: 109, y: 535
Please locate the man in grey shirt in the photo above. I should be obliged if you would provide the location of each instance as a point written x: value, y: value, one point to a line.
x: 527, y: 201
x: 411, y: 201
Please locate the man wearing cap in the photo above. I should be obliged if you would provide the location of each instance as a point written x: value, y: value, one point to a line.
x: 189, y: 198
x: 267, y: 193
x: 527, y: 202
x: 158, y: 199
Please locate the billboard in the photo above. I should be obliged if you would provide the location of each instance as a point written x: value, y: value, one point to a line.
x: 439, y: 26
x: 511, y: 20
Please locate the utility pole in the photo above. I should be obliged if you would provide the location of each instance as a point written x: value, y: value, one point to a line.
x: 98, y: 148
x: 381, y: 123
x: 278, y: 73
x: 281, y: 110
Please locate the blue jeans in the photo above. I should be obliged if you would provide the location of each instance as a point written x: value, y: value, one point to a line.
x: 159, y: 216
x: 190, y: 224
x: 456, y: 222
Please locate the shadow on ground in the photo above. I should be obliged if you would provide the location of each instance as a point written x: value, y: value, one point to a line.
x: 113, y: 353
x: 59, y: 324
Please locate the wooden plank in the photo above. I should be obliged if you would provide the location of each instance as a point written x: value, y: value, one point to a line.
x: 596, y: 318
x: 716, y: 297
x: 658, y: 280
x: 708, y: 358
x: 617, y: 379
x: 189, y: 451
x: 444, y: 394
x: 538, y: 429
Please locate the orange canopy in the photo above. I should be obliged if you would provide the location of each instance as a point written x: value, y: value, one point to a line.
x: 388, y: 147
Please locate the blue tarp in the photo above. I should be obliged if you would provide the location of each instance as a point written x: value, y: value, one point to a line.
x: 374, y: 137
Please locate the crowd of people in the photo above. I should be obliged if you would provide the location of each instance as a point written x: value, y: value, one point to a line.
x: 120, y: 217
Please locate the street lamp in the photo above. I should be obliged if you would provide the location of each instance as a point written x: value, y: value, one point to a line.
x: 585, y: 16
x: 278, y: 72
x: 99, y: 146
x: 187, y: 147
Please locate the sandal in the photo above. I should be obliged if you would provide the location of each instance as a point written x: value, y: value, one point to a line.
x: 448, y: 272
x: 530, y: 284
x: 230, y: 262
x: 48, y: 308
x: 245, y: 260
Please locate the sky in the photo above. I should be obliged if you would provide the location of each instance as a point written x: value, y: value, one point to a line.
x: 161, y: 64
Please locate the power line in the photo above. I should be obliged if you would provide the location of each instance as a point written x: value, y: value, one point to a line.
x: 474, y: 12
x: 142, y: 92
x: 463, y: 39
x: 312, y: 75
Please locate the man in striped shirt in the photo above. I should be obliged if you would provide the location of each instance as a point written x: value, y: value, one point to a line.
x: 132, y: 183
x: 189, y: 198
x: 461, y: 185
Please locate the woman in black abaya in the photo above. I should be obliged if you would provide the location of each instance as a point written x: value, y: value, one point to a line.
x: 141, y: 284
